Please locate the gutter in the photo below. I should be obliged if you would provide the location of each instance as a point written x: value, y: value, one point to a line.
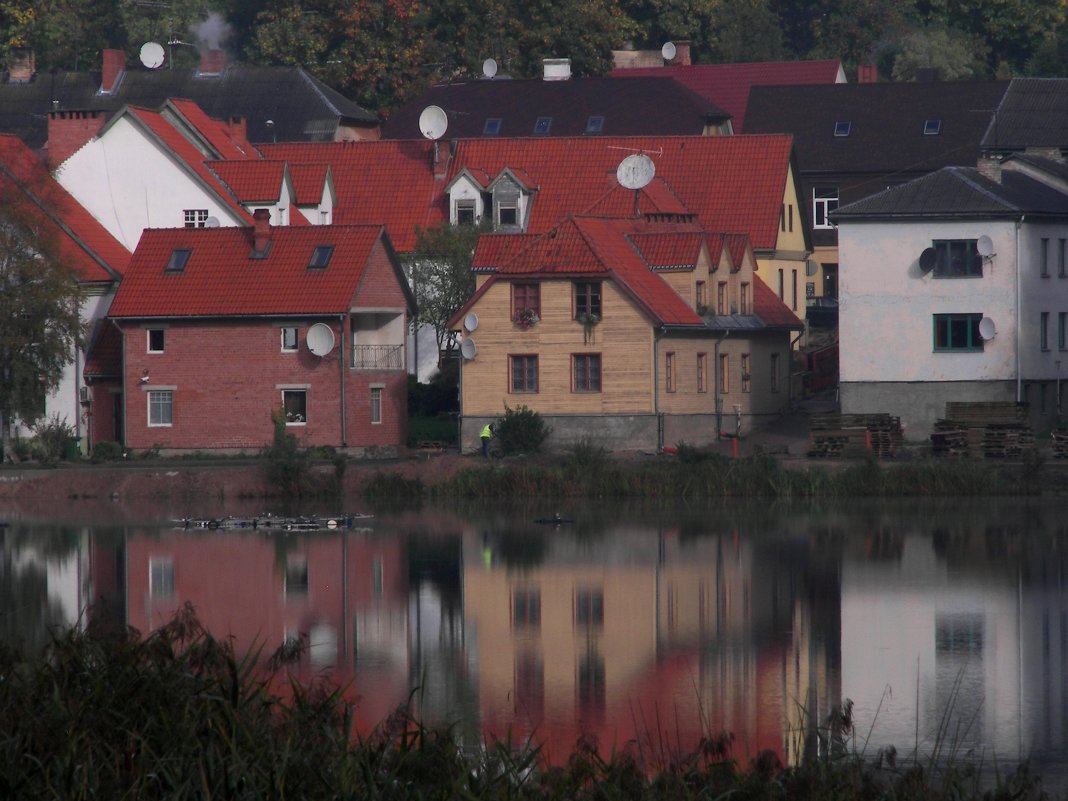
x: 1019, y: 311
x: 122, y: 383
x: 719, y: 400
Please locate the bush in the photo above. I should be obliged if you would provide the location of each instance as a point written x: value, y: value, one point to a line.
x: 106, y: 451
x: 521, y: 430
x: 52, y: 438
x: 288, y: 466
x: 587, y: 455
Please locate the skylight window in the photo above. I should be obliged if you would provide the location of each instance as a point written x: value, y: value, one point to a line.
x: 321, y: 257
x: 543, y: 125
x: 843, y: 128
x: 595, y: 124
x: 932, y: 127
x: 492, y: 126
x: 176, y: 263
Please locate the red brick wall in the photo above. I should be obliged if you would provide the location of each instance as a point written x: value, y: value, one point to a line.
x: 68, y: 131
x: 102, y: 412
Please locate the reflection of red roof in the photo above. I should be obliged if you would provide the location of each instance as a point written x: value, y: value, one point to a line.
x: 83, y: 244
x: 727, y: 85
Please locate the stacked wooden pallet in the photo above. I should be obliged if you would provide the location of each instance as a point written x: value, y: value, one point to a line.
x: 851, y: 435
x: 1059, y: 436
x: 991, y: 429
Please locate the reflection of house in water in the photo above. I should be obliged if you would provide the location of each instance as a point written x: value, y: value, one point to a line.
x: 639, y: 634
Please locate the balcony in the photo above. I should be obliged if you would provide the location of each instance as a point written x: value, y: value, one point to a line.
x: 378, y: 357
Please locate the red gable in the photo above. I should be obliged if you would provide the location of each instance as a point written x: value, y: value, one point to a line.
x: 309, y: 182
x: 252, y: 181
x: 222, y: 277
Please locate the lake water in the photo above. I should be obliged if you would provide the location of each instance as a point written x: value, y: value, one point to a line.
x: 945, y: 623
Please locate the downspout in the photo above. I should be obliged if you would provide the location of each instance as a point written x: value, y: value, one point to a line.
x: 122, y: 383
x: 789, y: 370
x: 718, y: 399
x: 1019, y: 311
x: 341, y: 363
x: 656, y: 389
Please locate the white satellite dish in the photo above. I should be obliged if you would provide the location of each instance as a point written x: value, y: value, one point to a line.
x: 985, y: 246
x: 320, y: 339
x: 433, y: 121
x: 668, y: 51
x: 471, y: 321
x: 811, y: 267
x: 489, y: 67
x: 152, y: 54
x: 211, y: 222
x: 468, y: 349
x: 987, y: 329
x: 635, y: 171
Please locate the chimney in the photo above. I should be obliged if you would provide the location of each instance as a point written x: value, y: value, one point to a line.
x: 238, y: 127
x: 989, y: 166
x: 68, y: 131
x: 212, y: 62
x: 682, y: 53
x: 261, y: 239
x: 22, y: 65
x: 556, y: 69
x: 112, y: 70
x: 867, y: 73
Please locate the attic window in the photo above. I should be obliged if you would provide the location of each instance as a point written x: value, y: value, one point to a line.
x: 842, y: 128
x: 543, y: 125
x: 595, y: 124
x: 321, y: 257
x: 492, y: 126
x: 176, y: 263
x: 932, y: 127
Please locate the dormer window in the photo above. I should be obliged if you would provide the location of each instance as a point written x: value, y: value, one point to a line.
x: 492, y: 126
x: 542, y: 125
x: 932, y: 127
x: 465, y: 212
x: 595, y: 124
x: 176, y: 263
x: 843, y: 128
x: 321, y: 257
x: 507, y: 215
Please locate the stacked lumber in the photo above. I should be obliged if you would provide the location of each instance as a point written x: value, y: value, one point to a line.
x: 1059, y: 436
x: 852, y: 435
x: 989, y: 429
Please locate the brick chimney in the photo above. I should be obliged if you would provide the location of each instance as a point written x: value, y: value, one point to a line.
x: 989, y: 166
x: 238, y: 127
x: 682, y: 53
x: 261, y: 235
x: 68, y: 131
x: 867, y: 73
x: 22, y: 65
x: 212, y: 62
x: 112, y: 71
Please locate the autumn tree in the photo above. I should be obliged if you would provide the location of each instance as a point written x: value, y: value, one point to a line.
x: 40, y: 324
x: 952, y: 55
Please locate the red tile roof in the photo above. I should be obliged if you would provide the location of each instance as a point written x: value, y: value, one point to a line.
x: 727, y: 85
x: 665, y: 251
x: 84, y: 244
x: 228, y: 140
x: 309, y: 182
x: 258, y: 181
x: 772, y: 311
x: 104, y: 355
x: 655, y: 197
x: 493, y: 249
x: 220, y: 278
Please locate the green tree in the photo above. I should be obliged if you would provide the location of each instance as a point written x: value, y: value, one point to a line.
x: 40, y: 325
x: 442, y: 281
x: 746, y: 30
x: 70, y: 34
x: 952, y: 54
x: 197, y: 24
x: 857, y: 31
x: 658, y: 21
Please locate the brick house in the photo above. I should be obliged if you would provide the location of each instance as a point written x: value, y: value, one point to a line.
x: 222, y: 327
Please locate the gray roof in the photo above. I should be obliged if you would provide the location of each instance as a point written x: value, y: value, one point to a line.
x: 1033, y: 113
x: 302, y: 107
x: 959, y: 193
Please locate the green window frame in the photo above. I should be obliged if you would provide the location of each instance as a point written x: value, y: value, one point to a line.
x: 955, y: 333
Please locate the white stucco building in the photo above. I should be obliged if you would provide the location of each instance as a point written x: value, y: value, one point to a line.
x: 954, y: 287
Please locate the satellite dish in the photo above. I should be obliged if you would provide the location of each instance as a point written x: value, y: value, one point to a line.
x: 211, y: 222
x: 468, y: 349
x: 320, y: 339
x: 985, y: 246
x: 635, y: 171
x: 811, y: 267
x: 152, y: 54
x: 471, y: 321
x: 928, y: 259
x: 433, y: 121
x: 489, y: 67
x: 987, y: 329
x: 668, y: 51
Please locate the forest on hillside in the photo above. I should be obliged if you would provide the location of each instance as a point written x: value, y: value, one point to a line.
x: 381, y: 52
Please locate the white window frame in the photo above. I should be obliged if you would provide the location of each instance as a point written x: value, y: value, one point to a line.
x: 158, y: 400
x: 161, y: 577
x: 824, y: 201
x: 376, y: 403
x: 290, y: 344
x: 195, y: 218
x: 299, y: 420
x: 148, y: 340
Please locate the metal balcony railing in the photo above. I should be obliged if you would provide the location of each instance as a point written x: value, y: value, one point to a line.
x: 378, y: 357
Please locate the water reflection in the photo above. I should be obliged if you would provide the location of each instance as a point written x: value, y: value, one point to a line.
x: 946, y: 624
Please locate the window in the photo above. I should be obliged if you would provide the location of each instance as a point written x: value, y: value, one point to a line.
x: 843, y: 128
x: 957, y: 258
x: 176, y: 263
x: 1043, y: 331
x: 746, y: 305
x: 669, y: 371
x: 824, y: 201
x: 507, y: 214
x: 378, y: 576
x: 595, y: 124
x: 721, y: 298
x: 782, y: 285
x: 775, y: 372
x: 542, y: 125
x: 790, y: 217
x: 589, y: 606
x: 296, y: 575
x: 195, y: 218
x: 465, y: 212
x: 747, y: 378
x: 932, y: 127
x: 295, y: 406
x: 161, y: 578
x: 957, y: 332
x: 592, y: 690
x: 492, y: 126
x: 321, y: 257
x: 702, y: 372
x: 376, y: 405
x: 290, y: 342
x: 793, y: 289
x: 702, y: 295
x: 724, y: 373
x: 587, y: 372
x: 526, y: 296
x: 529, y: 683
x: 160, y: 407
x: 155, y: 340
x: 587, y: 299
x: 526, y: 608
x: 524, y: 373
x: 1062, y: 330
x: 1062, y: 268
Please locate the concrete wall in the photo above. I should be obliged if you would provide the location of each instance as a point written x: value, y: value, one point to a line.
x: 918, y: 403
